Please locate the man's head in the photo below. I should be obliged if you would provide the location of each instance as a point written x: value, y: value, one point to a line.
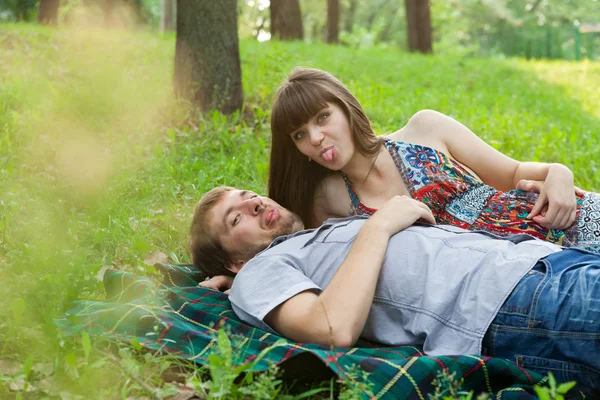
x: 230, y: 226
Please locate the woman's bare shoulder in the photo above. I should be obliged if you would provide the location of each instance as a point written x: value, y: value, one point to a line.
x: 426, y: 128
x: 398, y: 136
x: 421, y: 123
x: 331, y: 198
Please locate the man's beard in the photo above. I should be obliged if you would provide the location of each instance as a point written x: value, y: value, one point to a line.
x: 288, y: 225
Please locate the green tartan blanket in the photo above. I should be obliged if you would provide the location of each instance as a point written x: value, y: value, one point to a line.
x: 177, y: 317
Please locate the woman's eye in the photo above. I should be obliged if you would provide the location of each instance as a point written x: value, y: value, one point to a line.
x: 298, y: 135
x: 236, y: 220
x: 322, y: 118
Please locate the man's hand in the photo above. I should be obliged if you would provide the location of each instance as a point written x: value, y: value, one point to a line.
x: 399, y: 213
x: 556, y: 207
x: 219, y: 282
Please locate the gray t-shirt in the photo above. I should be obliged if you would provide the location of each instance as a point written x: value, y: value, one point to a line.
x: 440, y: 287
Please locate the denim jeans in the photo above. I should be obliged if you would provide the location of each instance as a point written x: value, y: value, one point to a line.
x: 551, y: 320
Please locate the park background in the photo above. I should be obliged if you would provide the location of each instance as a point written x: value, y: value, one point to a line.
x: 101, y: 164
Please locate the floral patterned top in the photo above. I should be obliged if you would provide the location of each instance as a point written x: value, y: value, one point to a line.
x: 457, y: 197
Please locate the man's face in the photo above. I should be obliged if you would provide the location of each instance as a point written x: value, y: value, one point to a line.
x: 246, y: 223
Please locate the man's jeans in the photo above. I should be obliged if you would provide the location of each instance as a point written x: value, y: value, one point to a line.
x: 551, y: 321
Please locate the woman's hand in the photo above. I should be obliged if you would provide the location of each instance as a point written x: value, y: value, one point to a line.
x: 400, y: 212
x: 219, y: 282
x: 556, y: 207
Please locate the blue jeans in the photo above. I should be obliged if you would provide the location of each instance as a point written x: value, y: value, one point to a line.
x: 551, y: 320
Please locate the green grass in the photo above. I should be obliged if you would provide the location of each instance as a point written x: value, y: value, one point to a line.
x: 100, y: 166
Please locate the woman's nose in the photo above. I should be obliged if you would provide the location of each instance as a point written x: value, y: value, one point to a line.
x: 316, y: 136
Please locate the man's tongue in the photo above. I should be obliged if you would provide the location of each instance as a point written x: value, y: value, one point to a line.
x: 329, y: 154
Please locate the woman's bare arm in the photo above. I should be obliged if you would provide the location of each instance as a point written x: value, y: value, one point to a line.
x: 557, y: 197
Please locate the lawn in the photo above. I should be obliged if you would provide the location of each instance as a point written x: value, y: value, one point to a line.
x: 99, y: 165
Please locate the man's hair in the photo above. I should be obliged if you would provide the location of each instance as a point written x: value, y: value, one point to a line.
x: 207, y: 253
x: 293, y: 180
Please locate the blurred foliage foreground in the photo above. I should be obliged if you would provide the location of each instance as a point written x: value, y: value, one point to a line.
x: 99, y: 166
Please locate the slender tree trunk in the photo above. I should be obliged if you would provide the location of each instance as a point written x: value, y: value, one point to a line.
x: 137, y: 8
x: 108, y: 7
x: 286, y: 20
x: 48, y: 13
x: 333, y: 21
x: 349, y: 19
x: 121, y: 12
x: 207, y: 54
x: 167, y: 15
x: 22, y: 10
x: 418, y: 22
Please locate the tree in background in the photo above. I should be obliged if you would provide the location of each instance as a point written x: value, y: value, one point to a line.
x: 524, y: 28
x: 167, y: 16
x: 207, y: 55
x: 418, y: 21
x: 122, y: 12
x: 48, y: 12
x: 350, y: 11
x: 286, y: 20
x: 333, y: 21
x: 21, y: 8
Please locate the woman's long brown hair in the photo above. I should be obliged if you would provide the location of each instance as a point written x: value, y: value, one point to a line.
x: 293, y: 180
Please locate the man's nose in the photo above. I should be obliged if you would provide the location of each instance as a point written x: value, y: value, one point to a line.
x: 316, y: 136
x: 253, y: 206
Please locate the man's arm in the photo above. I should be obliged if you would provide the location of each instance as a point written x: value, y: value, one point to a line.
x: 337, y: 315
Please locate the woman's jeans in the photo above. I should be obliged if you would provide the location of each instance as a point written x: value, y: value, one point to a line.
x: 551, y: 321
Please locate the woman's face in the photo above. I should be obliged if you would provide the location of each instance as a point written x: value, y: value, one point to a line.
x: 326, y: 138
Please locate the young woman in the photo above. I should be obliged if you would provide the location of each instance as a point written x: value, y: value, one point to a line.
x: 326, y: 161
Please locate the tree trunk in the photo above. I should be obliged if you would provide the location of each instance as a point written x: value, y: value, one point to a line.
x: 207, y: 55
x: 107, y: 8
x: 121, y: 13
x: 48, y: 13
x: 418, y: 22
x: 349, y: 19
x: 286, y: 20
x: 167, y: 15
x: 333, y: 21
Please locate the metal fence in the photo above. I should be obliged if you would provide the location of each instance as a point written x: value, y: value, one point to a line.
x: 570, y: 42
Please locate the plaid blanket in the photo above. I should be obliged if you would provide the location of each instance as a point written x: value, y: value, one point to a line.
x: 175, y: 316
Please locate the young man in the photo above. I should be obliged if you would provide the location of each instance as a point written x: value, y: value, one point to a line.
x: 390, y: 280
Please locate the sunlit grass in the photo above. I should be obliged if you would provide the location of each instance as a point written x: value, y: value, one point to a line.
x: 99, y: 166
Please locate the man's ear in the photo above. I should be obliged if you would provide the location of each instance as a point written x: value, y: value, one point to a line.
x: 235, y: 266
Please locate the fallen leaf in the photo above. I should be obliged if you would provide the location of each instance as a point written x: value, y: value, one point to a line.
x: 69, y: 396
x: 183, y: 393
x: 20, y: 385
x: 49, y: 387
x: 102, y: 271
x: 156, y: 257
x: 33, y: 334
x: 43, y: 369
x: 10, y: 367
x: 191, y: 395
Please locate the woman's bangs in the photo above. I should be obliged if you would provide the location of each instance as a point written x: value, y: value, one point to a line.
x: 295, y: 105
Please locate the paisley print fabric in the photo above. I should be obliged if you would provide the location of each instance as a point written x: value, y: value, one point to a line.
x: 457, y: 197
x: 589, y: 223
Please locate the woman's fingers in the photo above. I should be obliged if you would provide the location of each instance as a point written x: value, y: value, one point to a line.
x: 572, y: 217
x: 530, y: 186
x: 538, y: 206
x: 428, y: 216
